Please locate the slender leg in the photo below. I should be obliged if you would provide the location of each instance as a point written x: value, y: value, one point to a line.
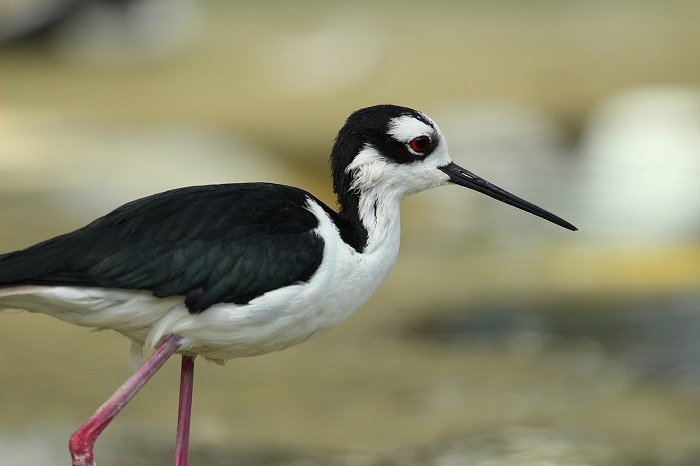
x: 184, y: 410
x: 82, y: 441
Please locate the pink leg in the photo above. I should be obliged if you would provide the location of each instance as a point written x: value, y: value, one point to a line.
x: 82, y: 441
x: 183, y: 414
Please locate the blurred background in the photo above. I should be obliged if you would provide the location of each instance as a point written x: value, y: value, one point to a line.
x: 497, y: 339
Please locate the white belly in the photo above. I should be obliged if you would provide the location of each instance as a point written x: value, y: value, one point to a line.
x: 271, y: 322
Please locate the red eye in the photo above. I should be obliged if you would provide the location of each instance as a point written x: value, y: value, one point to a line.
x: 420, y: 144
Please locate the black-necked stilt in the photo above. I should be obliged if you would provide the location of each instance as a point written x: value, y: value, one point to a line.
x: 225, y: 271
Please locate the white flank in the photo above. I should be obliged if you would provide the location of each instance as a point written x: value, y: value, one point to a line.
x: 274, y: 321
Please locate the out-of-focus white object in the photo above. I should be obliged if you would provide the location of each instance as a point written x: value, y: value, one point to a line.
x: 641, y: 166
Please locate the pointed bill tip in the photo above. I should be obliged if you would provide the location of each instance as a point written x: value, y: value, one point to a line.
x: 463, y: 177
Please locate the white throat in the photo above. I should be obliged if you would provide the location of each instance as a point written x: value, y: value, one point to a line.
x: 381, y: 185
x: 379, y: 199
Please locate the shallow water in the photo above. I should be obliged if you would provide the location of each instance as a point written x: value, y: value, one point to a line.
x: 522, y: 345
x: 613, y: 381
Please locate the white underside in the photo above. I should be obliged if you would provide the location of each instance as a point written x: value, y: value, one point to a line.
x: 271, y: 322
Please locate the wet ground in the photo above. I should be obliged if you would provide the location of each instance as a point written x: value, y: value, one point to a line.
x: 581, y: 379
x: 522, y: 345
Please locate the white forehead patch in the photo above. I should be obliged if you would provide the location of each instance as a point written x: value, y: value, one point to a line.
x: 406, y: 127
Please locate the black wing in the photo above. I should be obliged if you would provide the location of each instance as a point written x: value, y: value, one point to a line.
x: 217, y: 243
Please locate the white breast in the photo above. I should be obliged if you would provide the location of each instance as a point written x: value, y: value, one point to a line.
x: 274, y: 321
x: 293, y: 314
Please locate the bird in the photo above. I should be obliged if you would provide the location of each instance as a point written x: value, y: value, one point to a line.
x: 242, y: 269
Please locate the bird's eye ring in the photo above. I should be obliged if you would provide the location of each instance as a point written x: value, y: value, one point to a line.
x: 420, y: 144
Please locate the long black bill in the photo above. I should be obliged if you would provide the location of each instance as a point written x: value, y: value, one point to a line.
x: 462, y: 177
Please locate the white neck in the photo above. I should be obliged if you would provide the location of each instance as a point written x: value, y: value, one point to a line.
x: 380, y: 213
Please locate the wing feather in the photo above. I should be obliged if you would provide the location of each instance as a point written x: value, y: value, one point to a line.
x: 217, y: 243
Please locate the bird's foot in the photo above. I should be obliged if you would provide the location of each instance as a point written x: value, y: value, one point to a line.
x: 82, y: 441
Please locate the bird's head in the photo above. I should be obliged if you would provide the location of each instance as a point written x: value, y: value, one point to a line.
x: 394, y: 151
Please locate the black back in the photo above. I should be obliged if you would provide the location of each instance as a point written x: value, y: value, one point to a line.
x: 217, y: 243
